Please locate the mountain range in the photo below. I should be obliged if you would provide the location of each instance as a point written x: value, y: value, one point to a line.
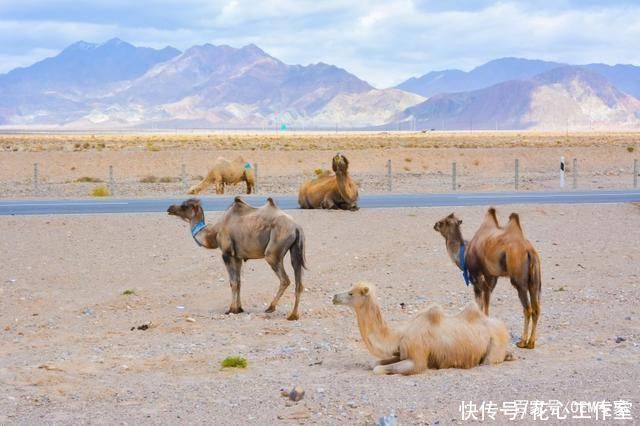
x: 118, y: 85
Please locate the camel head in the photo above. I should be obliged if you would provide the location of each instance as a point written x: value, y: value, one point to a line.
x: 189, y: 211
x: 340, y: 163
x: 359, y: 294
x: 449, y: 226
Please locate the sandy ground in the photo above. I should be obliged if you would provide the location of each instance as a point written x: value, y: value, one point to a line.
x: 68, y: 354
x: 485, y: 161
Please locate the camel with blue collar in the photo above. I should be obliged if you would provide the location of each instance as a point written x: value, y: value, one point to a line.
x: 245, y: 232
x: 493, y: 252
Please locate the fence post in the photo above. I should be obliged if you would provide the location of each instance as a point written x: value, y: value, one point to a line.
x: 255, y: 178
x: 517, y: 173
x: 635, y: 173
x: 111, y: 180
x: 389, y: 183
x: 575, y: 173
x: 35, y: 178
x: 453, y: 176
x: 561, y: 172
x: 183, y: 177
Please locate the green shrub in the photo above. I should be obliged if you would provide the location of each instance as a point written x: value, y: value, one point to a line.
x: 128, y: 292
x: 100, y: 191
x: 89, y: 179
x: 234, y: 362
x: 631, y: 148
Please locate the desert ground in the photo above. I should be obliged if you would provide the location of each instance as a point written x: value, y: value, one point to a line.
x: 68, y: 353
x: 72, y: 165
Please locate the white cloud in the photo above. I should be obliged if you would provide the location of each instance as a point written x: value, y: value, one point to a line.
x: 383, y: 42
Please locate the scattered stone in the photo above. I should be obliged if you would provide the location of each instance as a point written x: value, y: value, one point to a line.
x: 50, y: 367
x: 352, y: 404
x: 296, y: 394
x: 89, y: 312
x: 627, y: 318
x: 143, y: 327
x: 388, y: 421
x: 190, y: 319
x: 620, y: 339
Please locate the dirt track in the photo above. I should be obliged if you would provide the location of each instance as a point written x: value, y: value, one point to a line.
x: 67, y: 354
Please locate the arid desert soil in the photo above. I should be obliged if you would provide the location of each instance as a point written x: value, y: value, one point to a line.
x: 151, y: 165
x: 68, y: 354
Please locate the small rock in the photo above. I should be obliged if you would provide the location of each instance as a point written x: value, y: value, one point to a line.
x: 352, y: 404
x: 296, y: 394
x: 190, y: 319
x: 180, y: 307
x: 388, y: 421
x: 89, y: 312
x: 627, y: 318
x: 620, y: 339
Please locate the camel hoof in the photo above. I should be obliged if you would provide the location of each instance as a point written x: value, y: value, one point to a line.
x: 522, y: 344
x: 293, y: 317
x: 234, y: 311
x: 270, y: 309
x: 379, y: 370
x: 530, y: 345
x: 509, y: 357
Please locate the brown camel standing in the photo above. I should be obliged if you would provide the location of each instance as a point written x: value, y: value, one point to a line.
x: 245, y: 232
x: 226, y: 172
x: 430, y: 340
x: 494, y: 252
x: 330, y: 191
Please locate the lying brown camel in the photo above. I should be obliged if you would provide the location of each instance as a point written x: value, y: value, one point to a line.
x: 330, y: 191
x: 245, y: 232
x: 494, y: 252
x: 431, y: 340
x: 225, y: 172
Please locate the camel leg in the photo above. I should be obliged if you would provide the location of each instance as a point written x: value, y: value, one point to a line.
x: 526, y: 310
x: 278, y: 268
x: 234, y: 268
x: 327, y: 202
x: 490, y: 284
x: 477, y: 291
x: 405, y: 366
x: 535, y: 314
x: 388, y: 361
x: 219, y: 187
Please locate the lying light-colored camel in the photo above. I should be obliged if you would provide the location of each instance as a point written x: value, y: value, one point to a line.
x: 245, y: 232
x: 430, y: 340
x: 494, y: 252
x: 225, y: 172
x: 329, y: 191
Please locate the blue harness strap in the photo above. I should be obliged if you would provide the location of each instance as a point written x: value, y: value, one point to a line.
x: 194, y: 231
x: 463, y: 265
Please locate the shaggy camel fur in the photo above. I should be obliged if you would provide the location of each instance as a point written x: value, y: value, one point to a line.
x: 330, y: 191
x: 245, y: 232
x: 494, y: 252
x: 225, y: 172
x: 431, y: 340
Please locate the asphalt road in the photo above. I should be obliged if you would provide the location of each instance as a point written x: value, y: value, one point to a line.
x: 159, y: 205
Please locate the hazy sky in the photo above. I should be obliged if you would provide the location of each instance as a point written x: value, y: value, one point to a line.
x: 383, y: 42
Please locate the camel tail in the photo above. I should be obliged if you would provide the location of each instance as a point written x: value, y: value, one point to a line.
x: 298, y: 257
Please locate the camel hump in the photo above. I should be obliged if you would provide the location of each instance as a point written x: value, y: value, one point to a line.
x: 491, y: 214
x: 471, y: 313
x: 239, y: 200
x: 271, y: 202
x: 434, y: 314
x: 514, y: 221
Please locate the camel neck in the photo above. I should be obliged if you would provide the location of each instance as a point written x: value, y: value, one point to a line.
x: 380, y: 340
x: 453, y: 247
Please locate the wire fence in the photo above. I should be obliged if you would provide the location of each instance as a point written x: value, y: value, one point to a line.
x: 393, y: 178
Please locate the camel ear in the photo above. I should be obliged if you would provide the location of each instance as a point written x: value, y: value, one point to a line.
x: 459, y: 221
x: 364, y: 291
x: 450, y: 216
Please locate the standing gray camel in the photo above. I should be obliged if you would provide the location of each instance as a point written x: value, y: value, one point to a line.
x: 245, y: 232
